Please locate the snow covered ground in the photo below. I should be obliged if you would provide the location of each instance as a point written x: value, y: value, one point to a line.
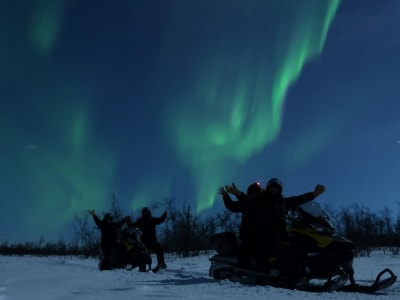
x: 74, y: 278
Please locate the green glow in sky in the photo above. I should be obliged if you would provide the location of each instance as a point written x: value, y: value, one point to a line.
x: 235, y: 105
x: 150, y: 192
x: 227, y: 72
x: 62, y: 166
x: 45, y: 24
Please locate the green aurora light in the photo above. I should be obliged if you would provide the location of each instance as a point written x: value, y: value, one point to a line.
x: 45, y: 24
x: 228, y: 109
x: 215, y: 124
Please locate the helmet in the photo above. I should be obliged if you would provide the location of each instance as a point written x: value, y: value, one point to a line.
x: 253, y: 188
x: 146, y: 211
x: 274, y: 182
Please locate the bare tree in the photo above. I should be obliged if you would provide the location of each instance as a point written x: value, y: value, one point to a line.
x: 86, y: 236
x: 185, y: 233
x: 227, y: 221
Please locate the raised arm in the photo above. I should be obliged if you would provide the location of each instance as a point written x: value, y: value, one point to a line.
x: 161, y: 219
x: 95, y: 218
x: 233, y: 206
x: 295, y: 201
x: 120, y: 223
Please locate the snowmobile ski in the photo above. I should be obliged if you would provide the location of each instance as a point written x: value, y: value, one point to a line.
x: 276, y: 280
x: 378, y: 285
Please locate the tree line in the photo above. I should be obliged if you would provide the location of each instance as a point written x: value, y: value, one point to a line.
x: 187, y: 233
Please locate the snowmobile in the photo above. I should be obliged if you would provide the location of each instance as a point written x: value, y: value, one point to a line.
x: 310, y: 257
x: 129, y: 252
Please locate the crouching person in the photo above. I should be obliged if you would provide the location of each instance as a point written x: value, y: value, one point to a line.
x: 135, y: 252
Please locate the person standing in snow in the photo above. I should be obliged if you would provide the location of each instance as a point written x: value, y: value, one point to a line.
x: 245, y: 205
x: 108, y: 231
x: 147, y: 224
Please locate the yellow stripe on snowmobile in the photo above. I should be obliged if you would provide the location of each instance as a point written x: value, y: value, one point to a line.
x: 127, y: 245
x: 321, y: 239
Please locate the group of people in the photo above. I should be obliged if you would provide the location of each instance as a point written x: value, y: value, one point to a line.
x: 263, y: 218
x: 263, y: 222
x: 146, y: 224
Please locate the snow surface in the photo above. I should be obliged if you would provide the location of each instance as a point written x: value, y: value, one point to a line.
x: 32, y: 278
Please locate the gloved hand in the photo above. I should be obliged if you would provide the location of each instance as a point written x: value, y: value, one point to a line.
x: 233, y: 189
x: 319, y: 189
x: 222, y: 191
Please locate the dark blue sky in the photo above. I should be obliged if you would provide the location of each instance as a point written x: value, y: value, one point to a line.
x: 155, y: 99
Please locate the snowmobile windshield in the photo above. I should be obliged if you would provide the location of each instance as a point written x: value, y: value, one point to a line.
x: 314, y: 209
x: 312, y: 215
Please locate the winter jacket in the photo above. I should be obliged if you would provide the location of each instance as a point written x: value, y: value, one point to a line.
x: 108, y: 230
x: 247, y: 207
x: 271, y: 211
x: 148, y: 227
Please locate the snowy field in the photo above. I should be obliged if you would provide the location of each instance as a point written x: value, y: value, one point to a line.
x: 73, y: 278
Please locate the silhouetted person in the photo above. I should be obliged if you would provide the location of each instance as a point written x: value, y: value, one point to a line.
x: 147, y: 224
x: 108, y: 231
x: 247, y: 206
x: 270, y: 222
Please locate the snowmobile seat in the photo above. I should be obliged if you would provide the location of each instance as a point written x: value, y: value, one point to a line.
x: 225, y: 243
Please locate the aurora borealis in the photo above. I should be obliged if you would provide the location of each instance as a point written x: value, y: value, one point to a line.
x: 234, y: 104
x: 157, y: 99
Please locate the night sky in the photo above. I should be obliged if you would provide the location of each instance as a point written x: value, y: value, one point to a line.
x: 152, y: 99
